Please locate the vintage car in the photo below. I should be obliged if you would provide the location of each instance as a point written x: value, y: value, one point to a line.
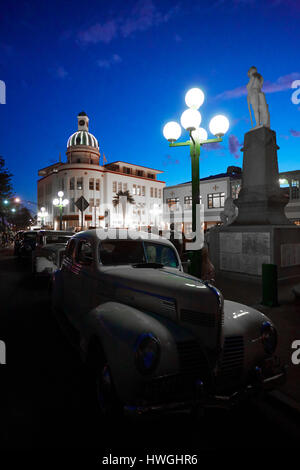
x: 156, y: 337
x: 24, y: 244
x: 49, y: 251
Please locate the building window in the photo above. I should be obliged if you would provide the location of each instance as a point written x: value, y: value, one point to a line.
x: 97, y: 185
x: 80, y: 183
x: 114, y: 186
x: 91, y: 184
x: 187, y: 202
x: 62, y: 184
x: 125, y: 187
x: 151, y: 192
x: 215, y: 200
x: 139, y: 172
x: 235, y: 189
x: 126, y: 170
x: 150, y: 175
x: 295, y: 189
x: 119, y: 186
x: 173, y: 203
x: 143, y: 191
x: 134, y: 189
x: 155, y: 192
x: 138, y: 191
x: 159, y: 193
x: 72, y: 204
x: 97, y: 202
x: 72, y: 183
x: 91, y: 202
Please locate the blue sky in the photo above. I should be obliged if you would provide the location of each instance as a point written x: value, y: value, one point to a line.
x: 128, y: 64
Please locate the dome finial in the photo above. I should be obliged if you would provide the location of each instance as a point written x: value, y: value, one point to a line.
x: 83, y: 121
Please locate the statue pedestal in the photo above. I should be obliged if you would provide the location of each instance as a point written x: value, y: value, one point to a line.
x: 260, y: 200
x: 261, y: 233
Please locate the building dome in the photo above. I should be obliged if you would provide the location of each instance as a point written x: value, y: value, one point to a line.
x: 82, y: 138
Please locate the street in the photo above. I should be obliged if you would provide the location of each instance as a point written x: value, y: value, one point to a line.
x: 47, y: 400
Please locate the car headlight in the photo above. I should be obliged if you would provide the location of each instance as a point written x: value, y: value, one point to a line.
x: 268, y: 337
x: 147, y: 353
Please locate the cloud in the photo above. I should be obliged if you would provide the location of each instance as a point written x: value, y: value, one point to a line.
x: 107, y: 63
x: 60, y: 72
x: 295, y: 133
x: 234, y: 146
x: 170, y: 161
x: 143, y: 16
x: 99, y: 33
x: 282, y: 83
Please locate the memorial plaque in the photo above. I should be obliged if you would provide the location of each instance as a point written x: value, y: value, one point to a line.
x: 244, y: 251
x: 290, y: 254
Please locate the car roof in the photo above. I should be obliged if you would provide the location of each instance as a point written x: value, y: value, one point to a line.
x: 56, y: 232
x: 114, y: 234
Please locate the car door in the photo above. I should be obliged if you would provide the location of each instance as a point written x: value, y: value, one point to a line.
x: 81, y: 282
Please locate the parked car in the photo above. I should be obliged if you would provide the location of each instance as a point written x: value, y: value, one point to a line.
x: 158, y: 338
x: 25, y: 242
x: 49, y: 252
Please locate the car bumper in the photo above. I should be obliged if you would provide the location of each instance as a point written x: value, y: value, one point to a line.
x: 263, y: 379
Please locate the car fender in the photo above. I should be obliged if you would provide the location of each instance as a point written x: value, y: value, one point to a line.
x: 118, y: 327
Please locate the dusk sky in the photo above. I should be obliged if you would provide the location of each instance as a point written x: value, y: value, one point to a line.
x: 128, y: 65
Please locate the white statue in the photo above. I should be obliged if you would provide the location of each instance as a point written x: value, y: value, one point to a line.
x: 257, y: 99
x: 230, y: 211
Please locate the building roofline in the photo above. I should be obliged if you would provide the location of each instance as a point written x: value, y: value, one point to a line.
x: 133, y: 164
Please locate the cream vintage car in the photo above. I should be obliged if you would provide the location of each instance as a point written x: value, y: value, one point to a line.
x: 49, y: 251
x: 156, y: 337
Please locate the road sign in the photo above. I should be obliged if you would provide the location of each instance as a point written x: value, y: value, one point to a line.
x: 81, y: 204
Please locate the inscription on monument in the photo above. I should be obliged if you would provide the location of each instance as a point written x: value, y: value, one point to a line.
x: 244, y: 251
x: 290, y: 254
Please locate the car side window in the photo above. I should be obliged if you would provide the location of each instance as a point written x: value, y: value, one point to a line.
x: 70, y: 249
x: 84, y: 253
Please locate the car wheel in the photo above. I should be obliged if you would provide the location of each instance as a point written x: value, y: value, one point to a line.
x: 107, y: 399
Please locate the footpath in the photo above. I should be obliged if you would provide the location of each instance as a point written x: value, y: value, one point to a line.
x: 286, y: 317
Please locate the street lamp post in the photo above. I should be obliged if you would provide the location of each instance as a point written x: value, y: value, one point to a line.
x: 60, y: 203
x: 191, y: 120
x: 42, y: 214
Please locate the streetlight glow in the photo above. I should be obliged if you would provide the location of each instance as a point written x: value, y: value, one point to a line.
x: 194, y: 98
x: 190, y: 119
x: 199, y: 134
x: 219, y: 125
x: 65, y: 202
x: 55, y: 202
x: 17, y: 199
x: 60, y: 193
x: 172, y: 131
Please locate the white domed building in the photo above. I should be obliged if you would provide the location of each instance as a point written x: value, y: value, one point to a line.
x: 83, y: 175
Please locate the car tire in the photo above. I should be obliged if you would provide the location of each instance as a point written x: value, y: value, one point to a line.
x: 108, y: 403
x: 107, y: 399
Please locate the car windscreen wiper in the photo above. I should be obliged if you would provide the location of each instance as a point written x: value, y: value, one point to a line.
x: 148, y: 265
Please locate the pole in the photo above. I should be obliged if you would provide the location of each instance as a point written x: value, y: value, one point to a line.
x: 60, y: 217
x: 195, y: 154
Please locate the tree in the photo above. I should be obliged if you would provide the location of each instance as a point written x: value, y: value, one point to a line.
x: 5, y: 190
x: 20, y: 219
x: 123, y: 197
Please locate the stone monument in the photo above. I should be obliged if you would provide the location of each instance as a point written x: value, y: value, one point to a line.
x: 261, y: 233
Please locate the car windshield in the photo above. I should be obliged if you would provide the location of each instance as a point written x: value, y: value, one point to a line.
x: 29, y: 236
x: 116, y: 252
x: 57, y: 239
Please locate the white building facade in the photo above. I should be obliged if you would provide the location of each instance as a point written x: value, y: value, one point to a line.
x: 216, y: 188
x: 82, y: 175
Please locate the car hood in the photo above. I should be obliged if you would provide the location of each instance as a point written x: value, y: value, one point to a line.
x: 171, y: 294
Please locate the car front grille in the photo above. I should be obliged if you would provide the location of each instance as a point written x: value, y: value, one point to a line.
x: 233, y: 357
x: 198, y: 318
